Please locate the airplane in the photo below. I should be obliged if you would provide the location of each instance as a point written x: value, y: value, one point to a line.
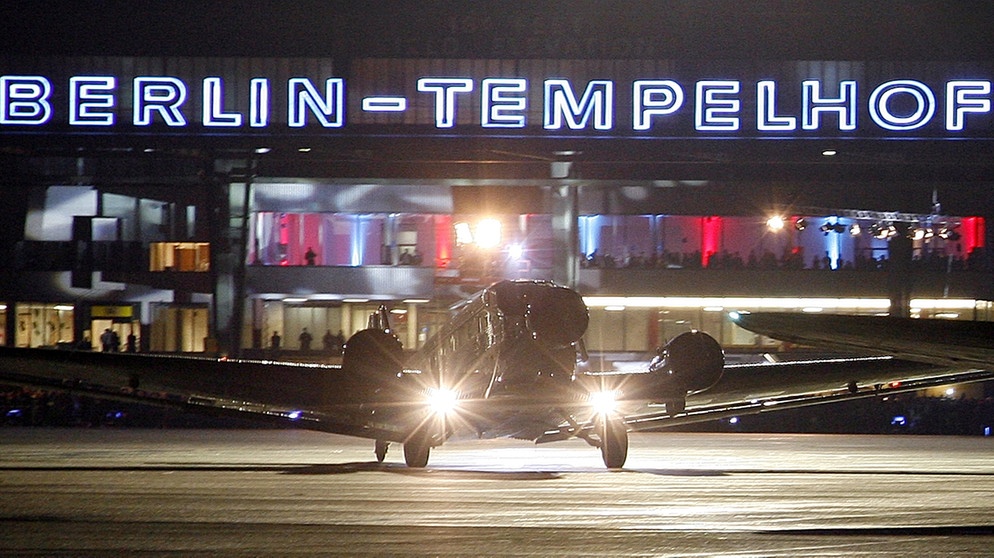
x: 507, y: 364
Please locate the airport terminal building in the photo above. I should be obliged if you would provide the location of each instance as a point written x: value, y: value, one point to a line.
x: 211, y: 204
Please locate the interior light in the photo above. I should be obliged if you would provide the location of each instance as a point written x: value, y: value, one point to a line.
x: 463, y: 233
x: 294, y: 300
x: 303, y: 149
x: 65, y: 307
x: 262, y: 150
x: 829, y: 153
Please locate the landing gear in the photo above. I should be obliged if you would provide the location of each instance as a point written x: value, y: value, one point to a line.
x: 614, y: 442
x: 416, y: 450
x: 381, y: 450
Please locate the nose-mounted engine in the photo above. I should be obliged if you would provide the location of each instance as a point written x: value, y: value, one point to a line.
x: 554, y: 316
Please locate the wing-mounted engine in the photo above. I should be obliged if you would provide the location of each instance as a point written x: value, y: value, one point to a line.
x: 373, y: 355
x: 690, y: 363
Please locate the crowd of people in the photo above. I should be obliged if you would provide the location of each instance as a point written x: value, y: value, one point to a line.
x: 793, y: 258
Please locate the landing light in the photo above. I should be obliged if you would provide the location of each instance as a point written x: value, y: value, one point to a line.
x: 442, y: 401
x: 604, y: 402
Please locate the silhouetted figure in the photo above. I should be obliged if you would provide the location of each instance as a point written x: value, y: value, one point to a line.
x: 310, y: 256
x: 107, y: 341
x: 274, y: 341
x: 305, y: 340
x: 132, y: 343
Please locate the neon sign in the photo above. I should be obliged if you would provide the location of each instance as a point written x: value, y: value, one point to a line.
x: 639, y: 108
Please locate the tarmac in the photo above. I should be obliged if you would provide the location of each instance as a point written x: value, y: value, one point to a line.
x: 116, y: 492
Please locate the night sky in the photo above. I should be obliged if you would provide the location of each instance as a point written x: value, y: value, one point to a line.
x: 680, y: 29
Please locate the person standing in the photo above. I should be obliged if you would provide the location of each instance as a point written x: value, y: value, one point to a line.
x: 305, y: 340
x: 107, y: 341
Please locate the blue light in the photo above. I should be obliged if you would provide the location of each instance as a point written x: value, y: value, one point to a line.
x: 294, y: 415
x: 14, y: 413
x: 898, y: 420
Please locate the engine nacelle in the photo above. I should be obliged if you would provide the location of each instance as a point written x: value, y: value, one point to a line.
x: 372, y: 356
x: 690, y: 363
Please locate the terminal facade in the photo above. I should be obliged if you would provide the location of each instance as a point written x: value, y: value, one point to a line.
x: 221, y: 205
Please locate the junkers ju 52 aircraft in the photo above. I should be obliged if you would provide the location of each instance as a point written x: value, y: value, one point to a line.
x: 506, y: 365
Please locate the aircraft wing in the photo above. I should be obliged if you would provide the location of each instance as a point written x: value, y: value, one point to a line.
x: 313, y: 396
x: 748, y: 389
x: 967, y: 344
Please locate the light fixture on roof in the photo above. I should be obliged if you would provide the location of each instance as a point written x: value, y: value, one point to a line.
x: 829, y: 153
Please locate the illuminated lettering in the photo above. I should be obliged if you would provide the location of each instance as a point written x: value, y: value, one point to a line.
x: 445, y: 90
x: 162, y: 95
x: 24, y: 100
x: 766, y: 110
x: 654, y: 98
x: 330, y: 111
x: 963, y: 96
x: 501, y: 104
x: 213, y: 114
x: 259, y: 103
x: 711, y: 104
x: 880, y: 109
x: 384, y: 104
x: 561, y: 105
x: 814, y: 104
x: 89, y: 94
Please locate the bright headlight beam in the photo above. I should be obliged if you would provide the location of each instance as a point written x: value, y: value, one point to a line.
x: 604, y: 402
x: 442, y: 401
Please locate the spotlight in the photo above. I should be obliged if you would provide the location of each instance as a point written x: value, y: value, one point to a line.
x: 801, y: 224
x: 775, y: 223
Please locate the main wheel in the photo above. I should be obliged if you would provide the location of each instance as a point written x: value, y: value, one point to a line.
x: 381, y: 450
x: 614, y: 442
x: 416, y: 451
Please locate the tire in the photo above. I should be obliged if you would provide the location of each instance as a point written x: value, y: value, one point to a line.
x: 614, y: 442
x: 381, y: 450
x: 416, y: 451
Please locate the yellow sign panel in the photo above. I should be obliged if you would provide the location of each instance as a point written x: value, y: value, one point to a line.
x: 111, y: 312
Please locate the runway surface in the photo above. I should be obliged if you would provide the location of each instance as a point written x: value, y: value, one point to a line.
x: 79, y: 492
